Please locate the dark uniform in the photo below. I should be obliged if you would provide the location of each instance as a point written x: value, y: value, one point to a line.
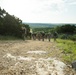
x: 55, y: 35
x: 34, y: 36
x: 23, y: 32
x: 43, y: 35
x: 49, y: 36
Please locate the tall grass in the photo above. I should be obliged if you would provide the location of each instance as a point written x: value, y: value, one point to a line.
x: 68, y: 48
x: 9, y: 38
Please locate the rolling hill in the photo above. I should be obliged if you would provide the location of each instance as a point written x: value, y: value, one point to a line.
x: 44, y: 25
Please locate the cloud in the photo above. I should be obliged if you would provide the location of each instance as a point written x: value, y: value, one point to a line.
x: 37, y: 10
x: 35, y: 6
x: 50, y: 5
x: 72, y: 3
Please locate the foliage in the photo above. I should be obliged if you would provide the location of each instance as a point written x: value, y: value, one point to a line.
x: 67, y: 36
x: 27, y: 27
x: 62, y: 36
x: 11, y: 25
x: 68, y: 48
x: 68, y: 28
x: 9, y: 38
x: 66, y: 31
x: 46, y: 30
x: 42, y: 25
x: 72, y: 37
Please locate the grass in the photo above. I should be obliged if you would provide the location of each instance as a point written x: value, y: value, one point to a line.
x: 8, y: 38
x: 68, y: 48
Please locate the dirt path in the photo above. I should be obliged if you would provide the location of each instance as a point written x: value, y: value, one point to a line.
x: 31, y: 58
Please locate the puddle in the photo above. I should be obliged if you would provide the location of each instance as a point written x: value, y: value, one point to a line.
x: 36, y: 52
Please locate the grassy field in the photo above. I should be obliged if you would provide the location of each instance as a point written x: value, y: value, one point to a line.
x: 68, y: 48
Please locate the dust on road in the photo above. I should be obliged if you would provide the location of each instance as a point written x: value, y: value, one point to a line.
x: 31, y: 58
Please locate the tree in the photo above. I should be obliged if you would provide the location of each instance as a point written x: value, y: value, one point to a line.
x: 2, y: 15
x: 70, y: 29
x: 11, y: 25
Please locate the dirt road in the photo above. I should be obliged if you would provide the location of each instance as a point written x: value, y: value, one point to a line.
x: 31, y: 57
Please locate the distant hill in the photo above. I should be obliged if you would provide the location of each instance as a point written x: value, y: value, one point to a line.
x: 44, y: 25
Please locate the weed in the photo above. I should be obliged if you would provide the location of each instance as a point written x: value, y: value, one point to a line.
x: 68, y: 48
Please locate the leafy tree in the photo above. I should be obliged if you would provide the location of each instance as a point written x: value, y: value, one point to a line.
x: 2, y: 15
x: 70, y: 29
x: 11, y: 25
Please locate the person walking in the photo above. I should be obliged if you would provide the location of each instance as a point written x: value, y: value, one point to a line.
x: 55, y: 35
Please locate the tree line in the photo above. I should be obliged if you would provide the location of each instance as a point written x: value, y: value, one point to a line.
x: 11, y: 25
x: 67, y: 28
x: 67, y: 31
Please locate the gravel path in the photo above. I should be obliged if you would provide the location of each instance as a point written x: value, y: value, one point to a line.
x: 31, y: 58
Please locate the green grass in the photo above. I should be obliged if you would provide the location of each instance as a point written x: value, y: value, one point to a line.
x: 8, y: 38
x: 68, y: 48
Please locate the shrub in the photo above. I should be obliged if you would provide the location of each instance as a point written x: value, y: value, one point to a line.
x: 63, y: 36
x: 72, y: 37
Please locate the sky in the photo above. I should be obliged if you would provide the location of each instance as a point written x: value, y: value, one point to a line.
x: 41, y: 11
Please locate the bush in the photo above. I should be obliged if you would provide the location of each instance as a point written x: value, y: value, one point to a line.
x: 67, y: 36
x: 63, y: 36
x: 72, y: 37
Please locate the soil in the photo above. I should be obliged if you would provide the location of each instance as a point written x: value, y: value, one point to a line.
x: 32, y: 57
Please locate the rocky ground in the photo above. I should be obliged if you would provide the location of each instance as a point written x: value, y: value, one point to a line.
x: 31, y: 57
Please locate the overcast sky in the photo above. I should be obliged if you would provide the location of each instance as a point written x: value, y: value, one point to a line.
x: 42, y: 11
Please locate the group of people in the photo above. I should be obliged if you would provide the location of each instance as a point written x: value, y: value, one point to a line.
x: 38, y: 35
x: 42, y: 36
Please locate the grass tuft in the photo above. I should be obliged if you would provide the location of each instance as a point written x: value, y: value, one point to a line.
x: 68, y: 48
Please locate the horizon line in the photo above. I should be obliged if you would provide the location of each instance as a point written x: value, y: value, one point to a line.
x: 48, y: 23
